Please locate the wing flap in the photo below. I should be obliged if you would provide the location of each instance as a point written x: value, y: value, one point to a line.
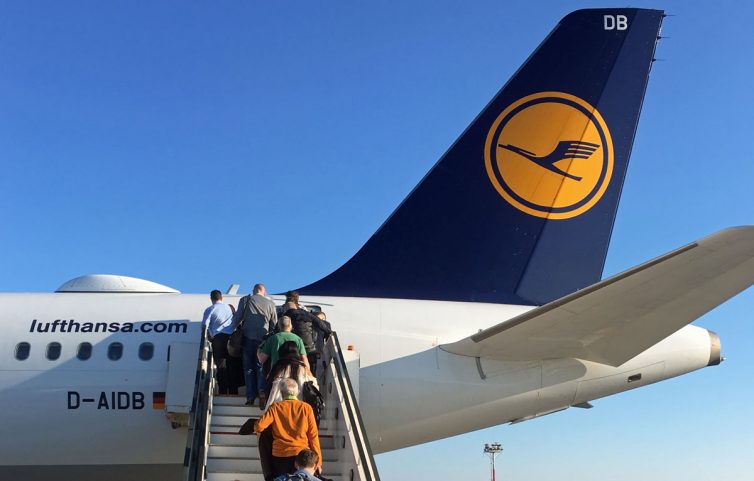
x: 616, y: 319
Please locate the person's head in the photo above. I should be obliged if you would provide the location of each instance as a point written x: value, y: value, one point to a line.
x: 289, y: 388
x: 292, y: 296
x: 285, y: 324
x: 260, y: 289
x: 322, y: 315
x: 216, y: 296
x: 289, y: 305
x: 307, y: 459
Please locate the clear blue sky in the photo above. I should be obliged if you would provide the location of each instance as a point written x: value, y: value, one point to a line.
x: 198, y: 144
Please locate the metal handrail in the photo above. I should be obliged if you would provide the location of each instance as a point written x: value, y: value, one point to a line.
x: 196, y: 443
x: 353, y: 413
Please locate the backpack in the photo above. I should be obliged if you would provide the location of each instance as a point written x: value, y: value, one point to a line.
x: 235, y: 341
x: 313, y: 398
x: 298, y: 477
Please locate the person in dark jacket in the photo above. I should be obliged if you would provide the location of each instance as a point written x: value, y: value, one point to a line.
x: 322, y: 337
x: 308, y: 327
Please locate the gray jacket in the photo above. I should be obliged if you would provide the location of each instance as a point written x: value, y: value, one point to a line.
x: 258, y: 315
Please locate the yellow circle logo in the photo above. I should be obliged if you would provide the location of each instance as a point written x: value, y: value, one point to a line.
x: 550, y: 155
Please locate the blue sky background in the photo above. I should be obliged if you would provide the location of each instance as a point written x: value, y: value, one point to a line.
x: 199, y: 144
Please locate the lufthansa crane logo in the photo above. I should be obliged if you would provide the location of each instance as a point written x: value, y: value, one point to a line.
x: 550, y: 155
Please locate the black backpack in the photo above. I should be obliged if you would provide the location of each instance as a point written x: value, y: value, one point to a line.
x: 313, y: 398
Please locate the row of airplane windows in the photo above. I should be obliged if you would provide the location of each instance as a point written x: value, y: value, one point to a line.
x: 84, y: 351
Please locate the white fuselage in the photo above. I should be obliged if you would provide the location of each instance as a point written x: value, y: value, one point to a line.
x: 410, y: 390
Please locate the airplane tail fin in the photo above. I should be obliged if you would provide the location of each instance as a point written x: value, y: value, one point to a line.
x: 520, y: 209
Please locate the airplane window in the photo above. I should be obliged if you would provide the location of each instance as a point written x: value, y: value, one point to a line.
x: 146, y: 351
x: 53, y: 351
x: 114, y: 351
x: 22, y: 351
x: 84, y: 351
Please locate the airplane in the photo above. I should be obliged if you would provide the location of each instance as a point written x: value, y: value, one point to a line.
x: 481, y: 294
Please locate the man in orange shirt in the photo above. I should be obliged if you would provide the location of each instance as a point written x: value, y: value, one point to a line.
x: 293, y: 429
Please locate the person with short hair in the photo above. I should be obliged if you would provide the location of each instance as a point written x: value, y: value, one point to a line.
x: 259, y: 318
x: 271, y: 347
x: 306, y: 464
x: 292, y: 296
x: 218, y: 321
x: 293, y: 429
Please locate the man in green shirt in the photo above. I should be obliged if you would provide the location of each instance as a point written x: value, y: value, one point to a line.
x: 270, y: 347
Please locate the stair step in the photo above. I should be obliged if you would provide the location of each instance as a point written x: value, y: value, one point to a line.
x: 222, y: 476
x: 222, y: 439
x: 220, y: 465
x: 252, y: 453
x: 233, y: 452
x: 232, y: 440
x: 235, y: 477
x: 232, y: 423
x: 227, y: 400
x: 229, y: 410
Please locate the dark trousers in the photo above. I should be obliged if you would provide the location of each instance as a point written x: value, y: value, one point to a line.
x: 220, y: 356
x: 252, y: 369
x: 283, y: 465
x: 265, y: 454
x: 313, y: 358
x: 235, y: 374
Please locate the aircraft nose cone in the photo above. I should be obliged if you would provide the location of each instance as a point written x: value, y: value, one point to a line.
x: 715, y: 356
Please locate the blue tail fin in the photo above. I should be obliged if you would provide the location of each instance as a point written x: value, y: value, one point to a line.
x: 521, y: 207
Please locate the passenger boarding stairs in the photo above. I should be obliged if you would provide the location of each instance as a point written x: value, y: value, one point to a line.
x: 216, y: 452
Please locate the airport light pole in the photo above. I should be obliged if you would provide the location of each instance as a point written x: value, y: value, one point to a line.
x: 492, y: 450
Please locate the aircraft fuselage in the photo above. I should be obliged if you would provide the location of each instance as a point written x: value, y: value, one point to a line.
x: 75, y: 413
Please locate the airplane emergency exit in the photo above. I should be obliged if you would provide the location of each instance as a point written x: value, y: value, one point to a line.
x: 481, y: 293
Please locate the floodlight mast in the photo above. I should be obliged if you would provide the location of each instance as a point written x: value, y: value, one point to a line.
x: 492, y: 450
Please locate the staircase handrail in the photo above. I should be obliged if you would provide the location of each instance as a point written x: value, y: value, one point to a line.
x: 196, y: 444
x: 352, y: 411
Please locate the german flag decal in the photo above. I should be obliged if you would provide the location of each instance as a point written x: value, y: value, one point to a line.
x: 158, y: 400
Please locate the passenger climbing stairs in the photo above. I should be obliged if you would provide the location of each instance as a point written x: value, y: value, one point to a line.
x: 216, y: 452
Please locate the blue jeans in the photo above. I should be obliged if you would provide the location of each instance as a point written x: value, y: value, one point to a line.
x: 252, y: 369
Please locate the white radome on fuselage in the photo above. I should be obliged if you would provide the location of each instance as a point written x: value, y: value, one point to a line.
x: 401, y: 362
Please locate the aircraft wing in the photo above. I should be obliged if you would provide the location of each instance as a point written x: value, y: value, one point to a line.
x: 616, y: 319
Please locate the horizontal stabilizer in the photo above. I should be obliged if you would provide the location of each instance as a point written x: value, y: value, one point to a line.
x: 616, y: 319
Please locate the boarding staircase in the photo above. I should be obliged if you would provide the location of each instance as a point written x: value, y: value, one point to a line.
x: 216, y: 452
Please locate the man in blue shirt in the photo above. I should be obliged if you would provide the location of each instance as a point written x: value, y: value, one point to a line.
x: 218, y: 320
